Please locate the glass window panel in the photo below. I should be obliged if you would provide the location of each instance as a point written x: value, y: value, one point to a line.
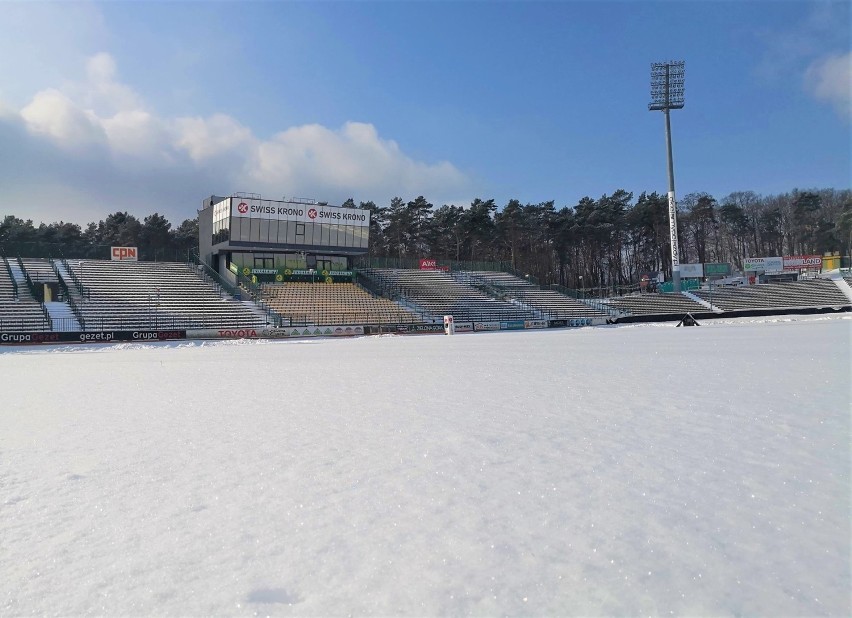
x: 273, y: 230
x: 325, y: 235
x: 350, y: 235
x: 245, y: 228
x: 263, y: 236
x: 291, y: 232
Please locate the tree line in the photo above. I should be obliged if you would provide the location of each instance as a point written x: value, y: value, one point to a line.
x: 606, y: 242
x: 610, y: 241
x: 153, y: 235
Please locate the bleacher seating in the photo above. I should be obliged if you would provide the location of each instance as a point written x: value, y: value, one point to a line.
x: 810, y: 293
x: 437, y: 293
x: 39, y: 270
x: 551, y: 304
x: 147, y: 295
x: 21, y: 314
x: 154, y: 295
x: 655, y: 304
x: 333, y: 303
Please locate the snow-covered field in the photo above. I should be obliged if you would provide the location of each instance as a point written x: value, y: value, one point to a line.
x: 604, y: 471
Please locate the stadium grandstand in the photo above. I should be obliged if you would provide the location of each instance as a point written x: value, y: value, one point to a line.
x: 299, y: 262
x: 46, y: 294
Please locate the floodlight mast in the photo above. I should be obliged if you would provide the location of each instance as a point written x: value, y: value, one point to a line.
x: 667, y: 94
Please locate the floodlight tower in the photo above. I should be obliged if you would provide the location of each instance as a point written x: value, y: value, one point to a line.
x: 666, y: 94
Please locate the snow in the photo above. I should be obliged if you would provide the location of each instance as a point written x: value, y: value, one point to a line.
x: 602, y: 471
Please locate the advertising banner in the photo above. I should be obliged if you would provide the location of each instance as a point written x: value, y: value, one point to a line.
x: 767, y: 265
x: 717, y: 269
x: 477, y: 326
x: 91, y: 336
x: 317, y: 273
x: 576, y: 322
x: 124, y: 254
x: 692, y: 271
x: 420, y: 329
x: 802, y: 262
x: 274, y: 333
x: 426, y: 264
x: 304, y: 213
x: 535, y: 324
x: 512, y: 325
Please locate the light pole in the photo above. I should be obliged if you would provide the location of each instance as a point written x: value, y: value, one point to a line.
x: 667, y: 94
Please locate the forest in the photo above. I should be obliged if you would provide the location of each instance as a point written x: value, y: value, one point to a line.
x: 605, y: 242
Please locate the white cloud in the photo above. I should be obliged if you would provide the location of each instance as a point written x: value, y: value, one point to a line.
x: 830, y: 79
x: 130, y: 158
x: 206, y: 138
x: 52, y: 113
x: 353, y: 159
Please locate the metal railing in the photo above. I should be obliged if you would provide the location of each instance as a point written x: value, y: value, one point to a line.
x: 354, y: 318
x: 255, y: 292
x: 28, y: 279
x: 11, y: 324
x: 161, y: 322
x: 414, y: 263
x: 84, y: 293
x: 197, y: 266
x: 594, y: 304
x: 9, y: 271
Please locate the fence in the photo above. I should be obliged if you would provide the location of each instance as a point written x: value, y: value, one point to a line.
x: 414, y: 264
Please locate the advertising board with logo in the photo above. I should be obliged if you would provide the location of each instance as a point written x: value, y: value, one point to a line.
x: 124, y: 254
x: 304, y: 213
x: 535, y: 324
x: 692, y: 271
x: 717, y: 269
x: 802, y: 262
x: 427, y: 264
x: 765, y: 264
x: 91, y: 336
x: 274, y: 333
x: 512, y: 325
x: 477, y: 326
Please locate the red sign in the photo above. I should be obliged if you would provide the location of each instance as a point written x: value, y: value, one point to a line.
x: 124, y: 254
x: 426, y: 264
x: 802, y: 262
x: 242, y: 207
x: 312, y: 213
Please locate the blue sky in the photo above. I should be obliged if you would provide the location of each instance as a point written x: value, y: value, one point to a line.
x: 151, y: 106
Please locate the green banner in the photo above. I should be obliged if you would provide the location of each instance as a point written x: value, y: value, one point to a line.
x: 717, y: 269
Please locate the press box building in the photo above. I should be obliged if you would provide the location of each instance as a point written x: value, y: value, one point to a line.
x: 281, y: 240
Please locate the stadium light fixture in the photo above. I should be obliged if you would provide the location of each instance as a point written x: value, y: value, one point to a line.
x: 667, y: 94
